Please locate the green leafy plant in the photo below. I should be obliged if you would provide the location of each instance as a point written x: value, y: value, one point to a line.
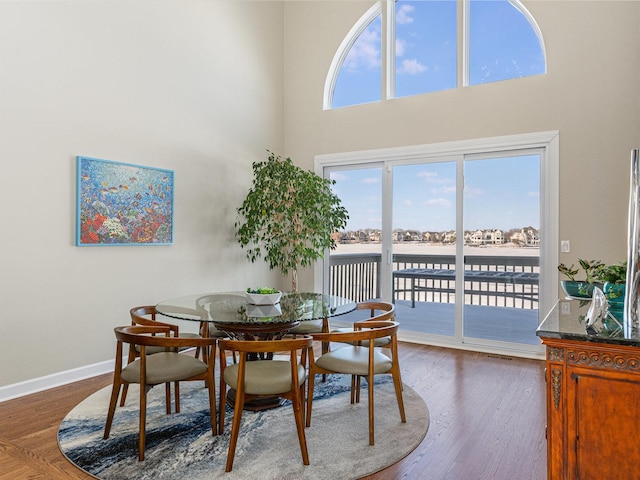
x: 569, y: 272
x: 262, y: 290
x: 289, y: 216
x: 590, y: 267
x: 576, y: 287
x: 615, y: 274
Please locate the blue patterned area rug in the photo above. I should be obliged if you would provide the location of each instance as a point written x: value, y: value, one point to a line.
x: 180, y: 446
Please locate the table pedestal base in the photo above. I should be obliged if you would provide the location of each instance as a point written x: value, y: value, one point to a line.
x: 257, y: 404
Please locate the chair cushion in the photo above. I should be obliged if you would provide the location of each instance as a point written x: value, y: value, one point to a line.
x: 354, y: 360
x: 165, y: 367
x: 310, y: 326
x: 377, y: 342
x: 264, y: 377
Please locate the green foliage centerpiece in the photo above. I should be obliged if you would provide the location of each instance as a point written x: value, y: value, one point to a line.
x: 289, y: 216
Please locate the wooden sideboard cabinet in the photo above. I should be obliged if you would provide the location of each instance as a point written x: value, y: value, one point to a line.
x: 593, y: 401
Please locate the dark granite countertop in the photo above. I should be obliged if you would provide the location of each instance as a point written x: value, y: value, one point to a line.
x: 567, y: 321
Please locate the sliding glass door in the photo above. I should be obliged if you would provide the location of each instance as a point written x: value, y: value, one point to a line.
x: 457, y: 238
x: 501, y: 225
x: 424, y: 247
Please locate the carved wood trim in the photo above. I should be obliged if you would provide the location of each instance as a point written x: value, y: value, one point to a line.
x: 604, y: 360
x: 556, y: 384
x: 555, y: 354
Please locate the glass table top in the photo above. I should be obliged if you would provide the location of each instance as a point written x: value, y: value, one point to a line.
x: 232, y: 307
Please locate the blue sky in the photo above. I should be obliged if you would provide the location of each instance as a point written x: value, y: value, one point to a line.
x: 500, y: 193
x: 502, y: 45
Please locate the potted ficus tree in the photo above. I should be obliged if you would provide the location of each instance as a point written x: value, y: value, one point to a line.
x: 289, y: 216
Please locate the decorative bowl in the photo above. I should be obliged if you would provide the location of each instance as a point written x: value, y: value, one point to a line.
x: 263, y: 311
x: 263, y: 298
x: 573, y: 289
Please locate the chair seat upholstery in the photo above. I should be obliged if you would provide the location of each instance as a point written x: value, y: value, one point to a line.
x: 165, y: 367
x: 355, y: 361
x: 264, y: 377
x: 308, y: 326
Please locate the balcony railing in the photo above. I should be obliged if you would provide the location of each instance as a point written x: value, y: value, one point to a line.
x: 509, y: 281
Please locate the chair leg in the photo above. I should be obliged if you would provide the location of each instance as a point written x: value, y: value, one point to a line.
x: 130, y: 358
x: 123, y: 398
x: 235, y: 426
x: 397, y: 382
x: 298, y: 414
x: 353, y: 389
x: 212, y: 406
x: 167, y: 397
x: 176, y: 386
x: 310, y: 380
x: 143, y: 421
x: 222, y: 407
x: 115, y: 391
x: 371, y: 418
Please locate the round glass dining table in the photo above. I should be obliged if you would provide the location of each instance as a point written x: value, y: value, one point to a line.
x: 230, y: 312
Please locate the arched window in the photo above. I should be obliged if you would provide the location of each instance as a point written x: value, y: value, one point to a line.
x: 500, y: 37
x: 425, y: 47
x: 504, y: 42
x: 355, y: 75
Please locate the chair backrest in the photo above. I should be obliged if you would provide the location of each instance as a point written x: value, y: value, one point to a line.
x: 364, y: 331
x: 158, y: 336
x: 287, y: 344
x: 375, y: 306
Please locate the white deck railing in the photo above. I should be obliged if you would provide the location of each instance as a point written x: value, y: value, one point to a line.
x: 431, y: 278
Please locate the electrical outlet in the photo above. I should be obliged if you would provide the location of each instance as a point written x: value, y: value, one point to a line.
x: 565, y: 308
x: 565, y: 246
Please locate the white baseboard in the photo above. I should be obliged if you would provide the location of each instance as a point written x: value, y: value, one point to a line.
x: 35, y: 385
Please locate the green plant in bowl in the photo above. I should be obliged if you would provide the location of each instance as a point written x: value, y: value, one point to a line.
x: 263, y: 290
x: 575, y: 288
x: 614, y: 278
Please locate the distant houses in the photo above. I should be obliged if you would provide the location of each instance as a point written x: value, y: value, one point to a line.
x: 524, y: 237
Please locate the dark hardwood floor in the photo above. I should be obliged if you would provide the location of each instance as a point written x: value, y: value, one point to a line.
x: 487, y: 421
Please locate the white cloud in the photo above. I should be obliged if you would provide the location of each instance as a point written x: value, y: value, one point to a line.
x: 438, y: 202
x: 412, y: 67
x: 471, y: 192
x: 370, y: 180
x: 365, y: 53
x: 533, y: 194
x: 403, y: 14
x: 338, y: 176
x: 432, y: 178
x: 408, y: 203
x: 400, y: 47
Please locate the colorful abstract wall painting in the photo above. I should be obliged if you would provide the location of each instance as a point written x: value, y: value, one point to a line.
x: 123, y: 204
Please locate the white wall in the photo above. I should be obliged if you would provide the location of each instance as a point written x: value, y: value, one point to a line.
x: 191, y: 86
x: 590, y: 95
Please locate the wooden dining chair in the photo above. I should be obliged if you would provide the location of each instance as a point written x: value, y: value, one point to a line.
x: 162, y: 367
x: 378, y: 311
x: 260, y: 378
x: 146, y: 315
x: 359, y: 358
